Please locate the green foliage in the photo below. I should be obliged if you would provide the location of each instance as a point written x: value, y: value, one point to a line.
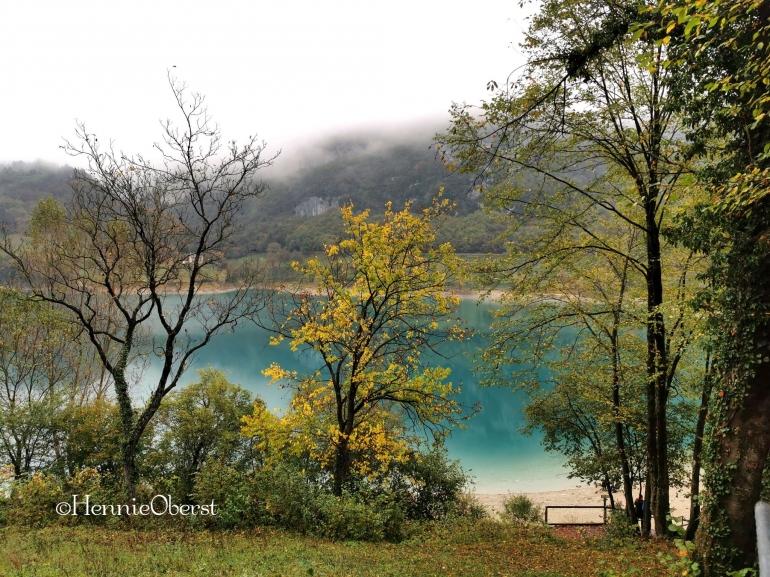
x: 236, y: 494
x: 430, y: 486
x: 200, y: 422
x: 468, y: 506
x: 91, y: 438
x: 683, y: 563
x: 101, y: 490
x: 618, y: 531
x: 32, y: 501
x: 285, y: 497
x: 39, y: 358
x: 427, y: 487
x: 521, y: 509
x: 626, y: 570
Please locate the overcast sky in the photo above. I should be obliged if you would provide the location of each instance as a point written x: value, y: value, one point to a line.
x: 290, y: 70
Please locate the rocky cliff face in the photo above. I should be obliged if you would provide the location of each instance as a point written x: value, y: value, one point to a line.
x: 315, y: 205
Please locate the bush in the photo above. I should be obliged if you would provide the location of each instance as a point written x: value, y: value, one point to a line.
x: 285, y: 497
x: 234, y: 493
x: 618, y: 529
x: 520, y: 509
x: 430, y: 486
x: 468, y: 505
x: 350, y: 517
x: 196, y: 424
x: 101, y: 490
x: 296, y: 503
x: 33, y: 501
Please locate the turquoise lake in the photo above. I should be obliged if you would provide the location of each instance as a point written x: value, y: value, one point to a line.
x: 497, y: 455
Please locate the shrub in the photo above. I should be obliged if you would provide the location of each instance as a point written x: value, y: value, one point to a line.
x: 287, y: 498
x: 6, y: 482
x: 196, y: 424
x: 618, y: 529
x: 101, y: 490
x: 350, y: 517
x: 295, y: 502
x: 33, y: 501
x: 430, y: 486
x: 234, y: 493
x: 521, y: 509
x: 468, y: 505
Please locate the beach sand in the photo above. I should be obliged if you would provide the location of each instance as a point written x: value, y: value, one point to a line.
x: 680, y: 505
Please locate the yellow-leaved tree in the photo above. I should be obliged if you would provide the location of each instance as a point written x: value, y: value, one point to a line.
x: 369, y: 307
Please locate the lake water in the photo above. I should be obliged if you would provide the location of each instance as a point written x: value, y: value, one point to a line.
x: 499, y: 457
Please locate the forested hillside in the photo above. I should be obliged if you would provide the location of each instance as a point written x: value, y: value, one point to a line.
x: 300, y: 210
x: 22, y: 184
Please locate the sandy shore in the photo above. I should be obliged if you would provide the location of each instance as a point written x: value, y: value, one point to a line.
x: 489, y: 296
x: 680, y: 505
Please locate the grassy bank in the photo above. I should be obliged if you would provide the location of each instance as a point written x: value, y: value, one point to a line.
x: 467, y: 549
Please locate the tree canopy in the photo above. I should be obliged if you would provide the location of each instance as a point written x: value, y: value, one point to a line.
x: 369, y: 309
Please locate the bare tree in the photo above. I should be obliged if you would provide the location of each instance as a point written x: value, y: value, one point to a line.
x: 136, y: 246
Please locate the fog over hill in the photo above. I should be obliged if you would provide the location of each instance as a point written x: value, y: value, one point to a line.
x: 307, y: 186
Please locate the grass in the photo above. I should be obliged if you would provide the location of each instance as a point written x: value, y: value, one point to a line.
x: 467, y: 549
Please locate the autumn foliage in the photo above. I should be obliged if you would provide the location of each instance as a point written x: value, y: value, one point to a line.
x: 368, y: 308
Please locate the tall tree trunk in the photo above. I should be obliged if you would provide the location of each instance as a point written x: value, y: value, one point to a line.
x: 692, y: 527
x: 628, y: 488
x: 742, y: 452
x: 737, y: 440
x: 652, y: 447
x: 661, y: 500
x: 657, y: 373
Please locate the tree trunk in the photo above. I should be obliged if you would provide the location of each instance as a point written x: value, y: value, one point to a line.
x: 646, y: 514
x: 728, y: 540
x: 130, y: 474
x: 657, y: 373
x: 341, y: 467
x: 694, y: 520
x: 661, y: 499
x: 609, y: 491
x: 128, y: 443
x: 652, y: 454
x: 628, y: 487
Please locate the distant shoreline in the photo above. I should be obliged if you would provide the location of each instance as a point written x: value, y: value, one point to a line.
x: 464, y: 294
x: 488, y: 295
